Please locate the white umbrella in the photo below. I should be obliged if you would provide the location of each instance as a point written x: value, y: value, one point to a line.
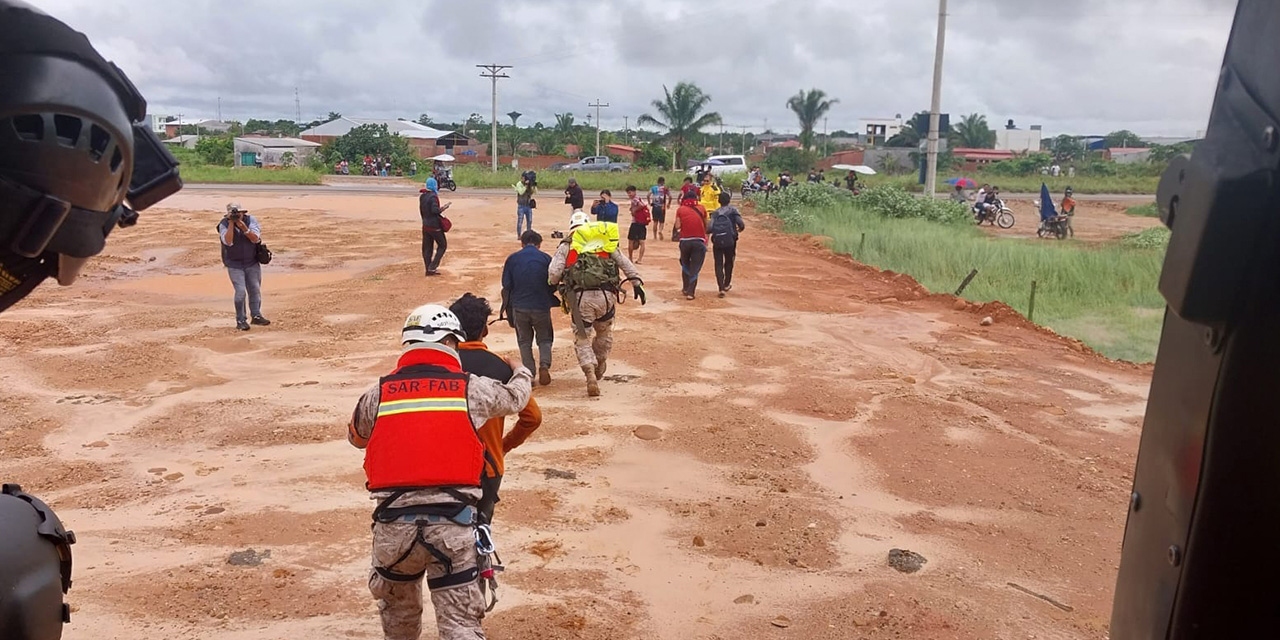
x: 863, y: 169
x: 444, y: 157
x: 844, y: 167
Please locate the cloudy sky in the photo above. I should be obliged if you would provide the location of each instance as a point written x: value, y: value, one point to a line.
x: 1074, y: 66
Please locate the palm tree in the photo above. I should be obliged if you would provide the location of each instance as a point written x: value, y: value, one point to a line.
x: 682, y: 117
x: 908, y: 135
x: 564, y: 127
x: 972, y: 132
x: 809, y: 107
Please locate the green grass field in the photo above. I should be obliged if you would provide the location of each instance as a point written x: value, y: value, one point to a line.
x: 247, y: 175
x: 1031, y: 184
x: 1105, y: 296
x: 1145, y: 210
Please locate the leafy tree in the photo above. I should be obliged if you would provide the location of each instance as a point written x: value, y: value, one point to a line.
x: 1067, y: 148
x: 681, y: 113
x: 333, y: 115
x: 908, y: 136
x: 215, y: 150
x: 1161, y: 154
x: 1123, y: 138
x: 797, y: 161
x: 809, y: 108
x: 424, y: 120
x: 653, y: 156
x: 373, y: 140
x: 972, y: 132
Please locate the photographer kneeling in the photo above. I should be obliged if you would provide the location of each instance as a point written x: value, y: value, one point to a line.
x: 240, y: 235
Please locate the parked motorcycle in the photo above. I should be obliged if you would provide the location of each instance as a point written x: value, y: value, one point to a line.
x: 999, y: 215
x: 751, y: 188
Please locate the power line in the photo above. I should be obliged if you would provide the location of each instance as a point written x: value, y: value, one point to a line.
x: 598, y: 106
x: 494, y: 72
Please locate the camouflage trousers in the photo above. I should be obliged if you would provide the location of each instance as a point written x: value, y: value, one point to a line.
x: 459, y: 609
x: 598, y: 342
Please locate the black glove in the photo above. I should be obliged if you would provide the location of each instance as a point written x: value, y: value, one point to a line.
x: 638, y: 289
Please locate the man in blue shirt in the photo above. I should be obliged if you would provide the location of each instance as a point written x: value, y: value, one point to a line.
x: 605, y: 209
x: 240, y: 235
x: 529, y: 301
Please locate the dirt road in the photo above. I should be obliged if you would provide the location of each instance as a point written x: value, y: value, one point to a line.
x: 821, y: 416
x: 1095, y: 220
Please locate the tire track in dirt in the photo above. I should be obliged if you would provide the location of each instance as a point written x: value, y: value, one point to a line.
x: 805, y: 431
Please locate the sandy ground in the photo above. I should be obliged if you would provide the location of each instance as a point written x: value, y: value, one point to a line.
x: 820, y: 416
x: 1095, y: 221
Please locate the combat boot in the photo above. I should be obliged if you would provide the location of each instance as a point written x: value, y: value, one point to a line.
x: 601, y: 365
x: 593, y: 387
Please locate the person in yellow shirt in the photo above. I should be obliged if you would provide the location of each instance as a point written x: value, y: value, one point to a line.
x: 709, y: 194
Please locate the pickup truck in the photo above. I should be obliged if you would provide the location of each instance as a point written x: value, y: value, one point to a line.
x: 594, y: 163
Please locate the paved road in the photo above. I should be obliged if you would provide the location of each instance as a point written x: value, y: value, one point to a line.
x: 393, y: 189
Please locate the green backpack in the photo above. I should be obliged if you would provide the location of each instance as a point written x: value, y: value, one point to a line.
x: 591, y: 271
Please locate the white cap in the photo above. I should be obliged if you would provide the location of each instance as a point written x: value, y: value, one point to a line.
x: 578, y: 219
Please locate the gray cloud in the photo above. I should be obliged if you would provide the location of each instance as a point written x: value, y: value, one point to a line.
x: 1080, y: 66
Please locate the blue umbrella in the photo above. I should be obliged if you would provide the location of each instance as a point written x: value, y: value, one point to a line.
x: 963, y: 182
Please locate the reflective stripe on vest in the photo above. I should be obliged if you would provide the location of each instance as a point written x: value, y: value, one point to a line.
x: 396, y: 407
x: 423, y: 436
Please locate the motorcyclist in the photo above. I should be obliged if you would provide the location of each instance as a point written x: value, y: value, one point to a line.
x: 989, y: 204
x: 58, y: 203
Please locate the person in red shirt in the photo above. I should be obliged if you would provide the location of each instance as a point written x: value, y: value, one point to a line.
x: 687, y: 188
x: 691, y: 227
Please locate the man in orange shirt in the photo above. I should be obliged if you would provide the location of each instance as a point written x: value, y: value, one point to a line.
x: 473, y: 313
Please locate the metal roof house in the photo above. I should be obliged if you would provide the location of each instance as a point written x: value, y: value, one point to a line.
x: 270, y: 152
x: 426, y: 141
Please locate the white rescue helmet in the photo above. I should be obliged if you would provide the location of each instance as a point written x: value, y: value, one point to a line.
x: 578, y: 219
x: 431, y: 323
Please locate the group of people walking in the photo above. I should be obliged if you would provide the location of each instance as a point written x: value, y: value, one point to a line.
x: 433, y: 429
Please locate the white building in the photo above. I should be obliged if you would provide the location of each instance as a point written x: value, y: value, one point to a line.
x: 1019, y: 139
x: 877, y: 130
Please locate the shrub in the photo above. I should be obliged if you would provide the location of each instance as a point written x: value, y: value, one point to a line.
x: 789, y: 159
x: 215, y: 150
x: 893, y: 202
x: 1153, y: 238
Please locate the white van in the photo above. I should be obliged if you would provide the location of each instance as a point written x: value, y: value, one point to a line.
x: 732, y: 164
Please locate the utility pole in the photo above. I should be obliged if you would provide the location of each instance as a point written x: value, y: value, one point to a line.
x: 931, y: 148
x: 297, y: 104
x: 720, y: 145
x: 626, y: 127
x: 494, y: 72
x: 744, y: 138
x: 825, y: 138
x: 598, y: 105
x: 219, y: 108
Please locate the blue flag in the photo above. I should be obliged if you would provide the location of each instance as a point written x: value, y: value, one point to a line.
x: 1046, y: 203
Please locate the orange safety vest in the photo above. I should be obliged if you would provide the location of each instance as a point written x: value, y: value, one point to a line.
x: 423, y: 436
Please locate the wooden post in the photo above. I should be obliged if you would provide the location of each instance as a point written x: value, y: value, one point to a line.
x: 1031, y: 308
x: 967, y: 279
x: 862, y: 243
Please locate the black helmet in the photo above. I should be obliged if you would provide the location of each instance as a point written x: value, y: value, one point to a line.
x: 73, y: 147
x: 35, y: 567
x: 1069, y: 190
